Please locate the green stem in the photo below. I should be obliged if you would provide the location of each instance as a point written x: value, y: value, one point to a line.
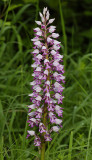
x: 2, y: 28
x: 43, y: 143
x: 43, y: 149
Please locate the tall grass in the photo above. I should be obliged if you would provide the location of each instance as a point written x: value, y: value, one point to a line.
x: 74, y: 141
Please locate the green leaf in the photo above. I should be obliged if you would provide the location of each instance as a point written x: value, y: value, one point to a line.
x: 1, y: 147
x: 14, y: 6
x: 2, y: 49
x: 19, y: 14
x: 30, y: 1
x: 87, y: 33
x: 2, y: 119
x: 88, y: 13
x: 1, y: 22
x: 5, y: 0
x: 7, y: 23
x: 52, y: 4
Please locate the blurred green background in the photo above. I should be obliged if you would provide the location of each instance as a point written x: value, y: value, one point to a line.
x: 74, y: 23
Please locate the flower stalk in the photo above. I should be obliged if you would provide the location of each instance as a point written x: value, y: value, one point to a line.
x: 47, y: 85
x: 45, y: 112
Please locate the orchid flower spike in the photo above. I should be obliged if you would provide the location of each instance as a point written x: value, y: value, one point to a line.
x: 48, y: 80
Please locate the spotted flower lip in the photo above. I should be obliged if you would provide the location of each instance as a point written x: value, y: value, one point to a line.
x: 39, y: 56
x: 47, y: 82
x: 53, y: 52
x: 51, y: 29
x: 48, y: 79
x: 38, y: 98
x: 37, y: 141
x: 47, y: 137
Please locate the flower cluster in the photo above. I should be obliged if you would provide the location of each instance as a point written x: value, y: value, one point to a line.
x: 48, y: 81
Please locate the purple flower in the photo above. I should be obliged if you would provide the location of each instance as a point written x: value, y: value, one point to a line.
x: 42, y: 128
x: 47, y: 137
x: 48, y: 79
x: 37, y: 141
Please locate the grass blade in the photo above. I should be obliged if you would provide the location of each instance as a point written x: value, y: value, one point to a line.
x: 70, y: 146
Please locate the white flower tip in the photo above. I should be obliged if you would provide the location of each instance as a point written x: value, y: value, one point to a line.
x: 47, y: 94
x: 47, y: 82
x: 32, y: 106
x: 32, y: 133
x: 32, y: 83
x: 38, y: 69
x: 43, y: 48
x: 33, y: 75
x: 39, y: 33
x: 40, y: 14
x: 53, y: 52
x: 58, y: 121
x: 46, y: 72
x: 42, y: 18
x: 55, y: 63
x: 55, y: 128
x: 44, y: 10
x: 47, y: 15
x: 39, y: 56
x: 38, y: 89
x: 30, y: 95
x: 38, y: 22
x: 55, y: 35
x: 57, y: 96
x: 39, y: 110
x: 38, y: 98
x: 37, y: 29
x: 51, y: 20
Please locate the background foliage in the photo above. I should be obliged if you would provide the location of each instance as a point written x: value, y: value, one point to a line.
x: 73, y: 21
